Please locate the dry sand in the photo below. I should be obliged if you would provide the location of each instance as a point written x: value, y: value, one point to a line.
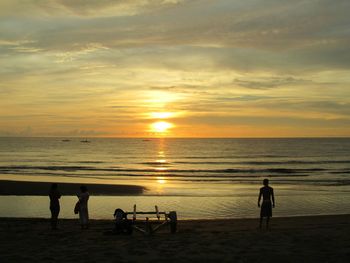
x: 298, y: 239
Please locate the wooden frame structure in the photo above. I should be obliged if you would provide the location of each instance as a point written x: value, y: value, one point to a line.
x: 148, y: 226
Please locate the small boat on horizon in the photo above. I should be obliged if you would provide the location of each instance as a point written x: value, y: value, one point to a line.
x: 65, y: 140
x: 85, y: 141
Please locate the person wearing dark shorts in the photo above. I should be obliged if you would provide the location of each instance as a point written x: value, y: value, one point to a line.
x: 268, y: 202
x: 54, y: 205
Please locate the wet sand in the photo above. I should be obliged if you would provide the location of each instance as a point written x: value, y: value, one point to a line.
x: 42, y: 188
x: 293, y: 239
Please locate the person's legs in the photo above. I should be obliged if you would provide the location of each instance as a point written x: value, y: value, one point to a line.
x: 54, y: 218
x: 52, y: 221
x: 267, y: 222
x: 81, y: 218
x: 87, y: 220
x: 261, y: 220
x: 84, y: 218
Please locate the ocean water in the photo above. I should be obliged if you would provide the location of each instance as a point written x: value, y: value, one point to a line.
x: 199, y: 178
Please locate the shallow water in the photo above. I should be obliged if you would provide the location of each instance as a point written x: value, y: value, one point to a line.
x: 102, y: 207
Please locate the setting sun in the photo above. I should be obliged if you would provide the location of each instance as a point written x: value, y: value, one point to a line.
x: 161, y: 126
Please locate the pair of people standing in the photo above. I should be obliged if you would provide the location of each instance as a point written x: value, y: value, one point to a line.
x: 82, y: 206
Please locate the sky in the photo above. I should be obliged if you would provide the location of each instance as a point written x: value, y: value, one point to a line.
x: 175, y: 68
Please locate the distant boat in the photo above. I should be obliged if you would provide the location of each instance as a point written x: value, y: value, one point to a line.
x: 86, y: 141
x: 146, y: 140
x: 65, y: 140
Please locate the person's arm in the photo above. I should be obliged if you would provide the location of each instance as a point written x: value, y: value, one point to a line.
x: 273, y: 198
x: 260, y: 194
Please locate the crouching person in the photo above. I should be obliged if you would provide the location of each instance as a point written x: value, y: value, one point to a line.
x: 122, y: 224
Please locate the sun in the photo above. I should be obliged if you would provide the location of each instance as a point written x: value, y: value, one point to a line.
x: 161, y: 126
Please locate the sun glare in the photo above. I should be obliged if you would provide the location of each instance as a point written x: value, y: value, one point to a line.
x: 161, y: 115
x: 161, y: 180
x: 161, y: 126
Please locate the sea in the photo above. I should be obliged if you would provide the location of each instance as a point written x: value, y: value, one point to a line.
x: 197, y: 178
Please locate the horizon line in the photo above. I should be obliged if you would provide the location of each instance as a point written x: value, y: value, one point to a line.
x: 112, y: 137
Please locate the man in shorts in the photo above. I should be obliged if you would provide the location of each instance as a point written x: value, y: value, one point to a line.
x: 266, y: 192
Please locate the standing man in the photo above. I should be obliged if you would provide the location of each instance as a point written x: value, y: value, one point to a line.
x: 268, y: 202
x: 54, y: 205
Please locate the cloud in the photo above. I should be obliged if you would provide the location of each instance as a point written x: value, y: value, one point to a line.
x: 254, y: 35
x: 269, y: 83
x: 104, y: 63
x: 27, y: 132
x: 267, y: 25
x: 83, y: 8
x: 262, y: 121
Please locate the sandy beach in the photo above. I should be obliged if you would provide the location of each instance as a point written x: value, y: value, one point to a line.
x: 294, y: 239
x: 289, y: 239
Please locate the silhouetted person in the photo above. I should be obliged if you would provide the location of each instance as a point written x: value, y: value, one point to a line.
x: 54, y: 205
x: 122, y: 224
x: 268, y: 202
x: 83, y: 207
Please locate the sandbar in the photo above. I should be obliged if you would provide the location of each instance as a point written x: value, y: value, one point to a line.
x: 42, y: 188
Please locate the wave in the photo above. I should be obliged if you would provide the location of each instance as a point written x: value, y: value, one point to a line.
x: 90, y: 162
x: 267, y: 162
x: 236, y: 156
x: 157, y: 163
x: 189, y: 171
x: 283, y: 179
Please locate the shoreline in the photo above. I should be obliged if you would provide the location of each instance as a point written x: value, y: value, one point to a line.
x: 105, y: 198
x: 290, y: 239
x: 29, y: 188
x: 273, y: 218
x: 197, y: 219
